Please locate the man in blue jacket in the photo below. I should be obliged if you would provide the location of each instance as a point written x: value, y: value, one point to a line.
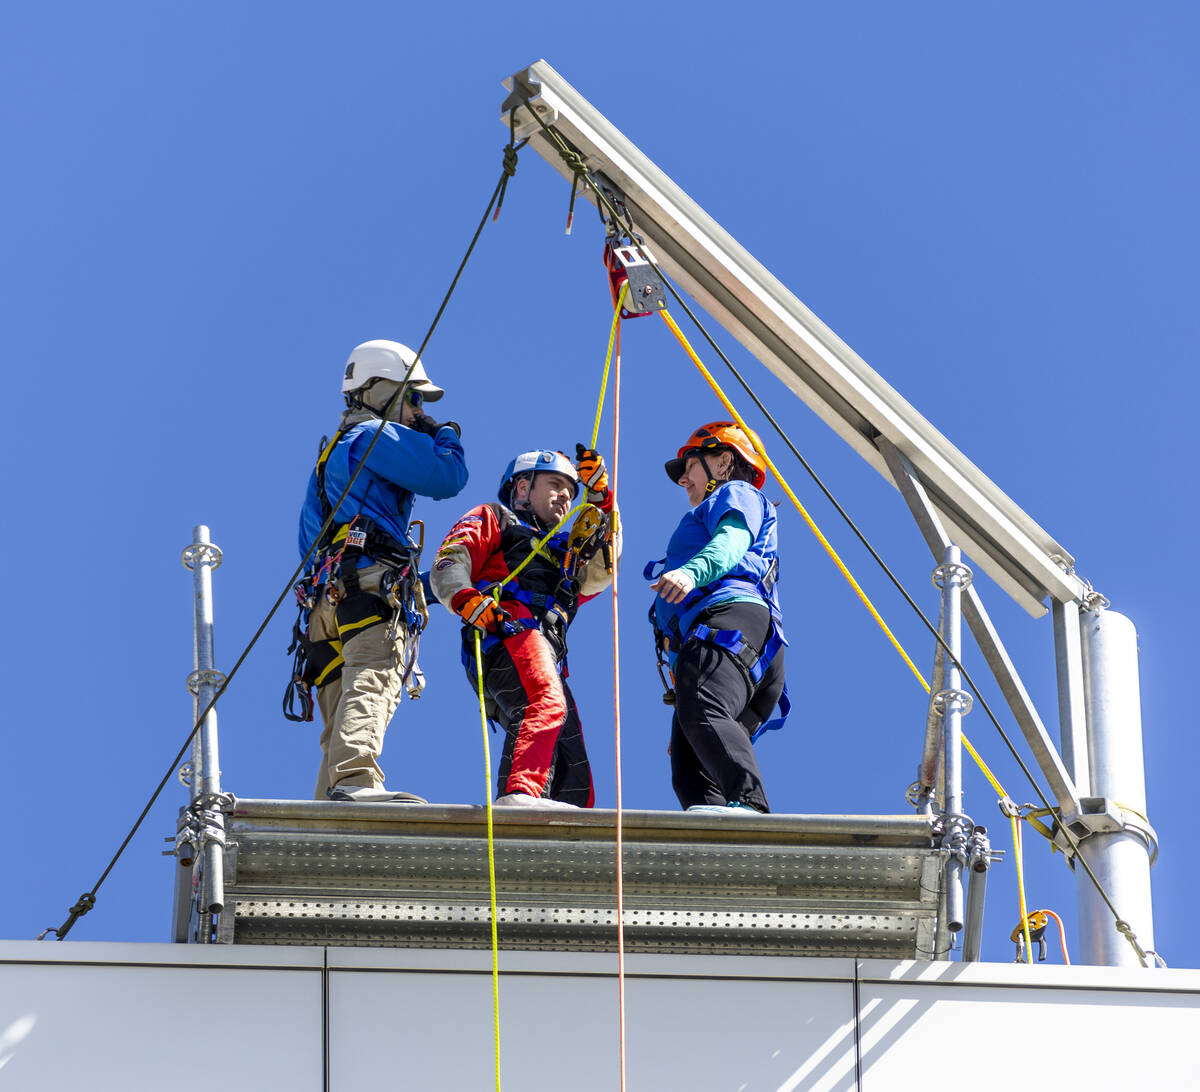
x: 367, y: 606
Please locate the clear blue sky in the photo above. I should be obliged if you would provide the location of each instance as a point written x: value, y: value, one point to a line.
x: 205, y: 209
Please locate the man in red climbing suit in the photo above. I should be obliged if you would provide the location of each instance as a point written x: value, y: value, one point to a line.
x: 522, y: 621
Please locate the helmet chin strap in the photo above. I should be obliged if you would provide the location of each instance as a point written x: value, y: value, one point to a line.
x: 712, y: 482
x: 391, y: 409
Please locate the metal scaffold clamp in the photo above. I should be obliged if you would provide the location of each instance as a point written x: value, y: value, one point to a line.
x: 955, y: 571
x: 200, y: 824
x: 197, y: 679
x: 201, y: 553
x: 980, y: 854
x: 1100, y: 815
x: 954, y: 834
x: 953, y: 701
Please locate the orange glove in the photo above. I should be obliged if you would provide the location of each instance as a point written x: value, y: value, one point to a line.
x: 479, y: 610
x: 594, y: 475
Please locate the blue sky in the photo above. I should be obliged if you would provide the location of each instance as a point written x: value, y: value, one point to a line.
x: 204, y: 210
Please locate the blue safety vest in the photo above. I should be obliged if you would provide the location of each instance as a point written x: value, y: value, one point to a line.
x: 755, y: 576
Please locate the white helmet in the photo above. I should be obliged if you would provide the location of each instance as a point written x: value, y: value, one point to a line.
x: 387, y: 360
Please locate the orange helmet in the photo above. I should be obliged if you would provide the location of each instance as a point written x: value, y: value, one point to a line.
x: 721, y: 436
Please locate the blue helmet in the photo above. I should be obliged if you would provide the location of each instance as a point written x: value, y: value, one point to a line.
x: 530, y: 462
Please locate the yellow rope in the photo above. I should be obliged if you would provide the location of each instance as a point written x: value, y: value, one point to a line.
x: 792, y: 496
x: 491, y: 845
x: 1016, y: 830
x: 984, y: 767
x: 612, y: 339
x: 620, y: 831
x: 716, y: 388
x: 537, y: 548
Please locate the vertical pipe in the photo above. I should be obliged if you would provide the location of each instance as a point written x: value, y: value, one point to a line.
x: 952, y: 576
x: 1120, y: 859
x: 1072, y: 719
x: 206, y: 778
x: 927, y: 772
x: 979, y: 861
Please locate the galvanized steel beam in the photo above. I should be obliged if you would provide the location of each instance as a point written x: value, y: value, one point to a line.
x: 837, y: 384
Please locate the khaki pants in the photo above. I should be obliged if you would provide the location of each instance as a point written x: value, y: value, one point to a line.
x: 357, y: 707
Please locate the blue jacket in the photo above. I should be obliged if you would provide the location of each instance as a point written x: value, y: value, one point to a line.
x: 403, y: 463
x: 736, y: 498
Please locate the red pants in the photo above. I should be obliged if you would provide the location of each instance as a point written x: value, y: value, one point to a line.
x: 543, y: 752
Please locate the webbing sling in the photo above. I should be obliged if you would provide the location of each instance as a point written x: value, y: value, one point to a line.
x: 753, y: 662
x: 749, y: 658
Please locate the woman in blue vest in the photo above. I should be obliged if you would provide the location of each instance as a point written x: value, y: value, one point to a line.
x: 717, y: 620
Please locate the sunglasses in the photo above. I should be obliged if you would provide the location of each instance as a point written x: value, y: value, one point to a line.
x: 414, y: 397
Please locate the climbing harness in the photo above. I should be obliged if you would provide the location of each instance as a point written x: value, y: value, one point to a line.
x: 549, y: 611
x: 752, y: 661
x: 334, y: 574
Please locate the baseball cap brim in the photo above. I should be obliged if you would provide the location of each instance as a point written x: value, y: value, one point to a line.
x: 429, y: 391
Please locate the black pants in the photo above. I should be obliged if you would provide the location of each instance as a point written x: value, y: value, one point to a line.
x: 543, y: 754
x: 717, y: 711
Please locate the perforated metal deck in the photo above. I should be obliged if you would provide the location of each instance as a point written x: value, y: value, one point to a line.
x: 301, y: 872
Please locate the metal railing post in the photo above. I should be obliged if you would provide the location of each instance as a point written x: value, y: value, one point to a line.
x: 207, y: 821
x: 952, y: 576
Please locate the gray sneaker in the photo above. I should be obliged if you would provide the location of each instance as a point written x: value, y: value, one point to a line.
x: 366, y: 794
x: 524, y: 800
x: 726, y: 809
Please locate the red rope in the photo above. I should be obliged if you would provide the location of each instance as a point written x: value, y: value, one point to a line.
x: 617, y: 714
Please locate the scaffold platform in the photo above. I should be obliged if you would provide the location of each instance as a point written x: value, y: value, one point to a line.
x: 416, y: 876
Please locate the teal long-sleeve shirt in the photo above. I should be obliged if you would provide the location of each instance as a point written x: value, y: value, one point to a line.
x: 724, y: 550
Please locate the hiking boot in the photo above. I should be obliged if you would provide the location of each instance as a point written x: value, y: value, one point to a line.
x: 366, y: 794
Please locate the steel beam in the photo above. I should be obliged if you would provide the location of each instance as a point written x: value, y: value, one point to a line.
x: 994, y: 653
x: 837, y: 384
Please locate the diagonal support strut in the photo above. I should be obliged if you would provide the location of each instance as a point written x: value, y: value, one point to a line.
x: 994, y: 652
